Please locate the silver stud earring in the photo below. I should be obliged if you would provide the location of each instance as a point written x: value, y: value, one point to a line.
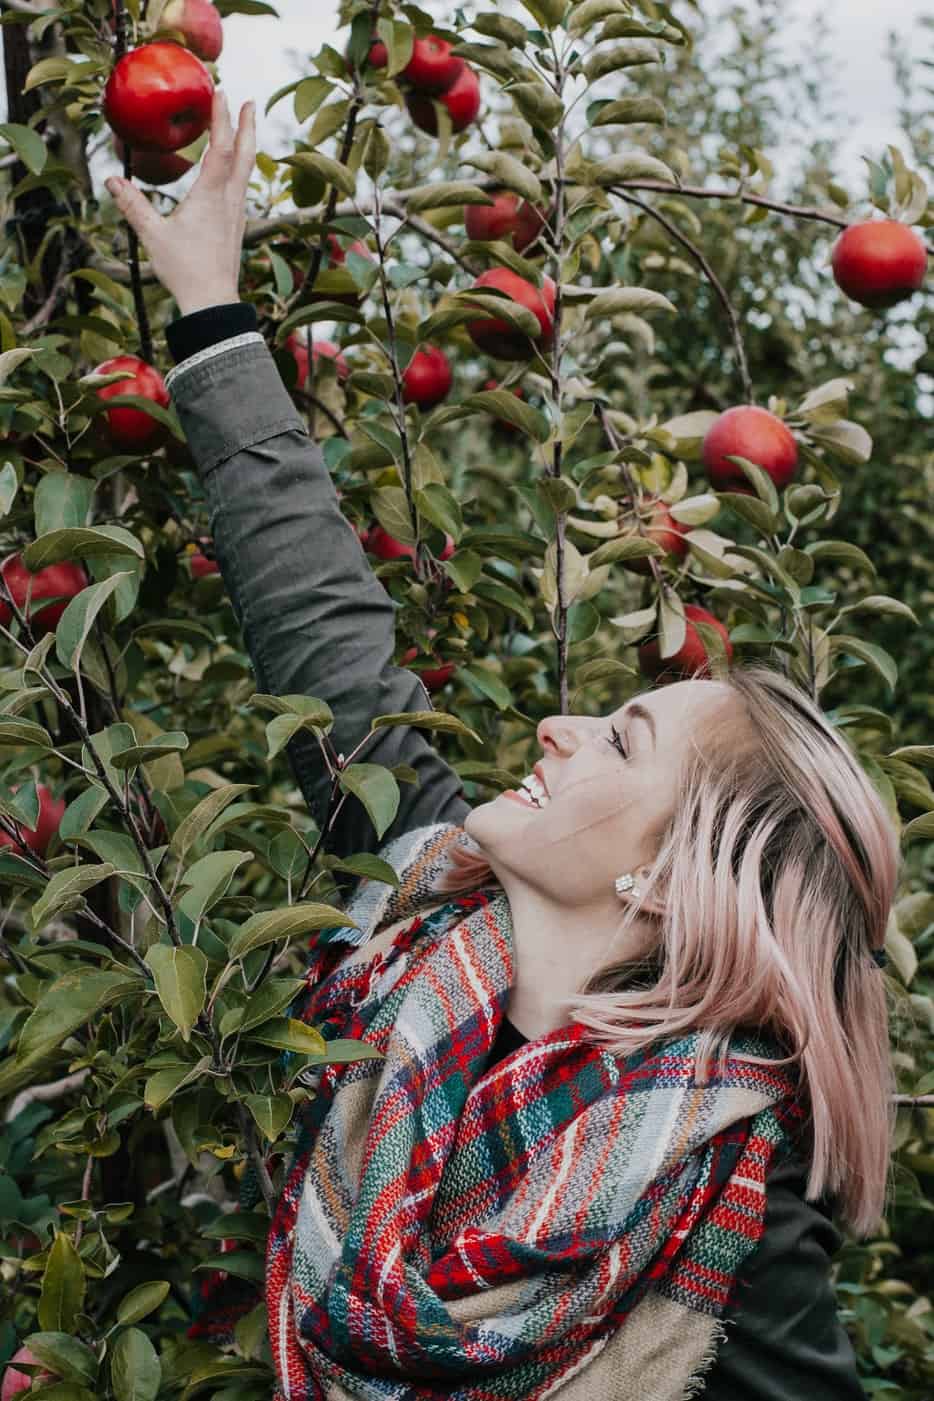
x: 626, y: 885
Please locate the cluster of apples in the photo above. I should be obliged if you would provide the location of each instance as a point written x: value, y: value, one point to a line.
x: 434, y: 74
x: 158, y: 97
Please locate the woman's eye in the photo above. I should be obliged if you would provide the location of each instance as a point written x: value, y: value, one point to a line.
x: 617, y: 741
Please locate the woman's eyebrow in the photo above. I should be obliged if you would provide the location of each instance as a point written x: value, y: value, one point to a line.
x: 635, y: 711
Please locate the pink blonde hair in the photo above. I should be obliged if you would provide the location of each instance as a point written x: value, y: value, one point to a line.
x: 776, y: 872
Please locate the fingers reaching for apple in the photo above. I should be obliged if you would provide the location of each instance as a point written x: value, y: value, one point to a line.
x: 195, y: 250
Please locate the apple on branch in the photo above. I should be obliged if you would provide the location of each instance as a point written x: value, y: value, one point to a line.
x: 16, y: 1381
x: 508, y: 217
x: 660, y: 526
x: 427, y: 378
x: 462, y: 99
x: 879, y: 262
x: 158, y: 97
x: 51, y: 812
x: 155, y: 167
x: 199, y: 24
x: 133, y: 429
x: 499, y: 338
x: 759, y: 436
x: 691, y: 657
x: 57, y: 581
x: 385, y: 546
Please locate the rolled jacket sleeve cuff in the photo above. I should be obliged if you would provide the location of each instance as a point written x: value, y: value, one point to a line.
x: 188, y: 335
x: 229, y: 397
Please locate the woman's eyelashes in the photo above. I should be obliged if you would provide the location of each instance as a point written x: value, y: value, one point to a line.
x: 616, y: 740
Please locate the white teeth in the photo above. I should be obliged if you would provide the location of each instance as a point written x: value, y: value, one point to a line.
x: 536, y: 790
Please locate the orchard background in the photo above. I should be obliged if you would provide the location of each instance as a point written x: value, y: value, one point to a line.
x: 159, y: 875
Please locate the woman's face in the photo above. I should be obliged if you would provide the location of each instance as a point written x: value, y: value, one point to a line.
x: 608, y: 803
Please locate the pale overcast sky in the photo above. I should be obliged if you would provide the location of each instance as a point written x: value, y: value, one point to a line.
x: 262, y: 54
x: 867, y: 92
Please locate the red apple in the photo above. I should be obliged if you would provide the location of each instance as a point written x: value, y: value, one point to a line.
x: 60, y: 581
x: 378, y: 57
x: 462, y: 100
x: 132, y: 428
x: 15, y: 1381
x: 433, y: 67
x: 691, y: 657
x: 427, y: 378
x: 660, y: 526
x: 432, y: 678
x: 199, y: 23
x: 500, y: 339
x: 330, y: 351
x: 155, y: 167
x: 158, y: 97
x: 509, y: 216
x: 757, y: 435
x: 879, y: 263
x: 51, y: 811
x: 385, y: 546
x: 201, y: 566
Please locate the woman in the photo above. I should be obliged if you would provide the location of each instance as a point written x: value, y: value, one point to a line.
x: 623, y: 1187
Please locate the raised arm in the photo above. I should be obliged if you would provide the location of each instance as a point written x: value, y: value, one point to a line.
x: 315, y: 618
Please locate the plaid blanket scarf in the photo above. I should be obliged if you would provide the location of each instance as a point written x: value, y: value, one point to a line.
x: 573, y: 1221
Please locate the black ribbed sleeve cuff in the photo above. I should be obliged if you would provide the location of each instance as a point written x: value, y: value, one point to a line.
x: 199, y: 329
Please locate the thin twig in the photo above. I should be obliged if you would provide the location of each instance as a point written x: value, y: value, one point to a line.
x: 700, y: 257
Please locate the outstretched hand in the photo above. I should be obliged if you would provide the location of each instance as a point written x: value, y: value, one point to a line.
x: 195, y: 250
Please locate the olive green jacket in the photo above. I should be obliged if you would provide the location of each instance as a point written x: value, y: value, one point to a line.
x: 316, y: 620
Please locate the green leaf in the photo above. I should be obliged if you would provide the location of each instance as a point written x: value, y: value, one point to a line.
x: 367, y: 865
x: 920, y: 827
x: 377, y: 790
x: 27, y: 143
x: 75, y: 624
x: 18, y: 734
x: 328, y: 170
x: 73, y: 998
x: 203, y: 814
x: 180, y: 977
x: 65, y: 1356
x: 502, y: 308
x: 65, y: 889
x: 606, y: 61
x: 881, y: 662
x: 135, y: 1369
x: 487, y: 684
x: 62, y: 502
x: 625, y: 547
x: 630, y: 109
x: 62, y: 1287
x: 288, y: 1034
x: 442, y: 194
x: 269, y: 926
x: 631, y: 165
x: 620, y: 299
x: 9, y: 485
x: 142, y: 1300
x: 270, y: 998
x: 435, y: 720
x: 163, y: 1084
x: 172, y: 742
x: 391, y: 508
x: 509, y: 173
x: 271, y: 1112
x: 502, y: 403
x: 441, y: 508
x: 242, y: 1263
x: 208, y: 880
x: 83, y: 543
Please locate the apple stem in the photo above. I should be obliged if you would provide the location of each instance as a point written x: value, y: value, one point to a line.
x: 742, y: 364
x: 136, y: 281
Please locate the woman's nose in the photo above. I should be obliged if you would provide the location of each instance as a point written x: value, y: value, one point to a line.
x: 557, y: 734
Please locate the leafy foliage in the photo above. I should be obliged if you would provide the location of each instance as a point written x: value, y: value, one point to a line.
x: 152, y: 953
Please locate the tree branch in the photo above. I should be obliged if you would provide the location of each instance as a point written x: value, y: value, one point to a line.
x: 700, y: 257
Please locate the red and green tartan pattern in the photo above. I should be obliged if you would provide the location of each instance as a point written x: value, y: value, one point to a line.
x: 446, y: 1233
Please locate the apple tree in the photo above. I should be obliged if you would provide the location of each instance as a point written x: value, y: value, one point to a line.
x: 605, y: 405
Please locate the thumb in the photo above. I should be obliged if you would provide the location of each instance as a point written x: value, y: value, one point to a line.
x: 134, y: 206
